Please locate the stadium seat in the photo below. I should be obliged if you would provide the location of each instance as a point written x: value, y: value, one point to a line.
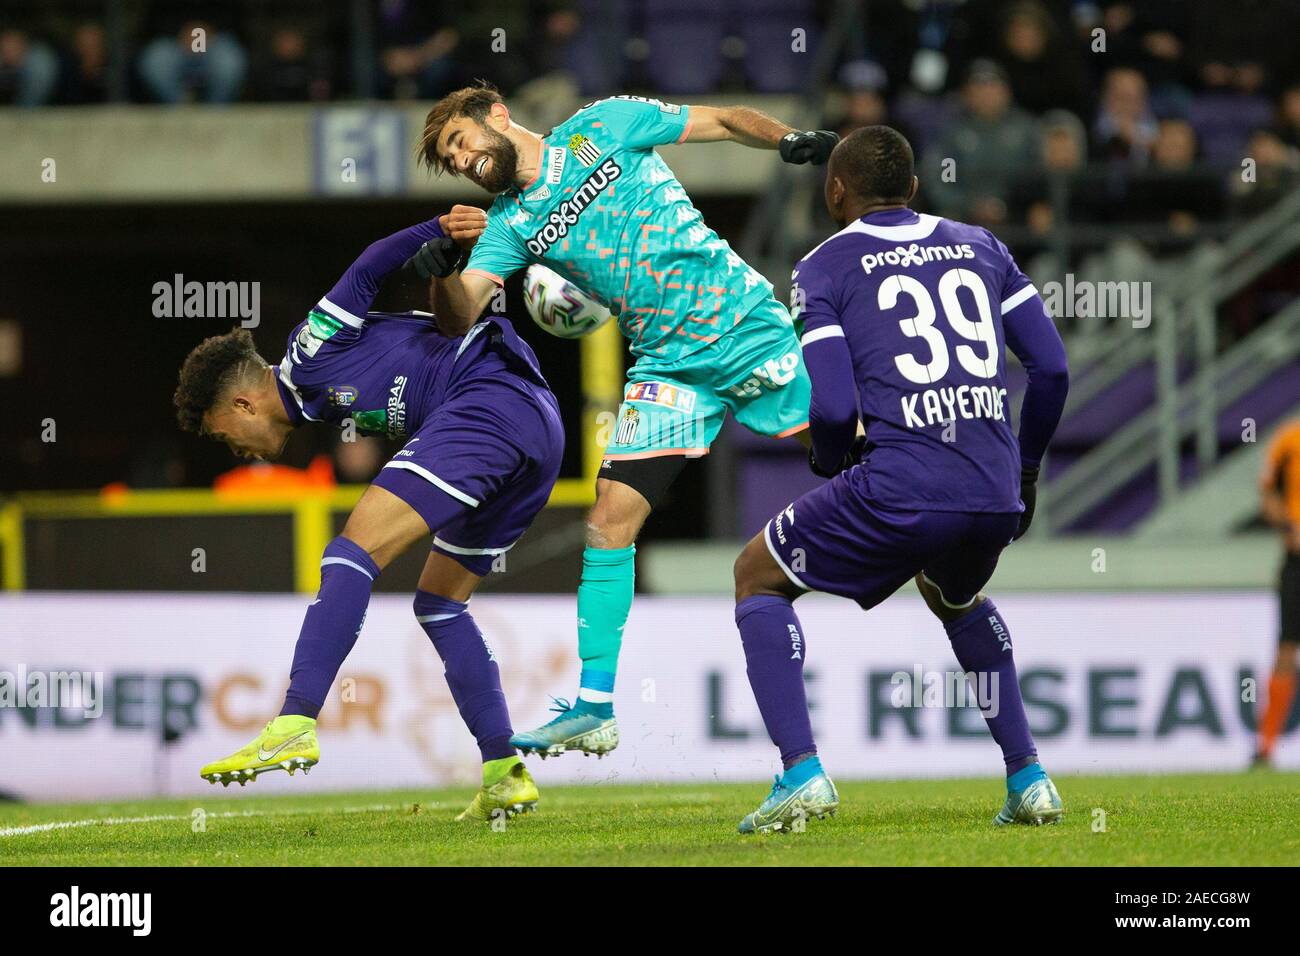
x: 685, y: 41
x: 766, y: 27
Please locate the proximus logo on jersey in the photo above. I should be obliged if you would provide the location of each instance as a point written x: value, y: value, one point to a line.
x: 915, y: 255
x: 566, y: 214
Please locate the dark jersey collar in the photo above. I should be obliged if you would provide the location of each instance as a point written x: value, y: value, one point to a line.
x: 891, y: 217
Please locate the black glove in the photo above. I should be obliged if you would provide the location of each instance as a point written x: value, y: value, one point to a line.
x: 813, y: 146
x: 851, y: 458
x: 437, y: 258
x: 1029, y: 495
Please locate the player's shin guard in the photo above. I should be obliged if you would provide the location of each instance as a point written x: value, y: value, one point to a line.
x: 331, y: 627
x: 982, y: 644
x: 774, y: 656
x: 604, y: 600
x: 471, y: 671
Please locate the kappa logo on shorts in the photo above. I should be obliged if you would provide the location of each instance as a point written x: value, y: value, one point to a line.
x: 661, y: 393
x: 627, y: 428
x: 772, y: 374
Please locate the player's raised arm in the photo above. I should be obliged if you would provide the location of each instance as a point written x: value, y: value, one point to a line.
x: 459, y: 299
x: 468, y: 265
x: 351, y: 297
x: 750, y: 127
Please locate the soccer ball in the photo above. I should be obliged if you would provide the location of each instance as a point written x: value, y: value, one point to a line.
x: 559, y: 306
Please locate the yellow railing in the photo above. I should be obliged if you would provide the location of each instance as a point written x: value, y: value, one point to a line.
x: 313, y: 527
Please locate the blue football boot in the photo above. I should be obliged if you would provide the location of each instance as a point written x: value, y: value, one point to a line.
x: 570, y: 730
x: 805, y: 791
x: 1031, y: 799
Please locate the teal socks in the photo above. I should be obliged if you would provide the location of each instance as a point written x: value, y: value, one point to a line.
x: 604, y: 601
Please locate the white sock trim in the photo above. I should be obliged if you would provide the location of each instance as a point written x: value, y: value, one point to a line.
x: 944, y: 600
x: 346, y: 563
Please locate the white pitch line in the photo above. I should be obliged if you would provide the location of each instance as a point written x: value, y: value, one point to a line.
x: 227, y: 814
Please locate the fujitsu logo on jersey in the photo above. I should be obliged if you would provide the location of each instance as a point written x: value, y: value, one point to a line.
x: 915, y: 255
x: 566, y: 214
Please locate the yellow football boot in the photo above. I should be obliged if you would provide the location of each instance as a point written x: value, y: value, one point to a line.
x: 511, y: 791
x: 286, y: 743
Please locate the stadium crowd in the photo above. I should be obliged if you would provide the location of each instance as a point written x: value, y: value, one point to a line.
x: 1144, y: 110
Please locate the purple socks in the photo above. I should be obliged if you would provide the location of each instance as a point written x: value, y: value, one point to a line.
x: 331, y: 626
x: 472, y: 672
x: 334, y: 620
x: 982, y: 645
x: 775, y: 650
x: 774, y: 655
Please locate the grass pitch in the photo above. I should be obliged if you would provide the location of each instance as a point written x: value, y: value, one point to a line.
x: 1225, y: 819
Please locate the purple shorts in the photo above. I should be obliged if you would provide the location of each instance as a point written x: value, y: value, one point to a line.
x: 481, y: 467
x: 835, y: 539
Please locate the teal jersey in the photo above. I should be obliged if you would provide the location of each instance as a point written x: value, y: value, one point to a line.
x: 606, y: 212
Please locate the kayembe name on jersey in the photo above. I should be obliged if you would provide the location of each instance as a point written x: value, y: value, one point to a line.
x: 940, y: 406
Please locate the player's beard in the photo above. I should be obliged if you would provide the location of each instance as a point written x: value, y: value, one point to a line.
x: 505, y: 163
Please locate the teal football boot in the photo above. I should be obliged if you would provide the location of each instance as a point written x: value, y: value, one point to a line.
x: 805, y: 791
x: 569, y: 731
x: 1031, y: 799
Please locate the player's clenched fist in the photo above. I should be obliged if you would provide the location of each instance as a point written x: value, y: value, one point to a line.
x: 436, y: 259
x: 464, y: 224
x: 813, y: 146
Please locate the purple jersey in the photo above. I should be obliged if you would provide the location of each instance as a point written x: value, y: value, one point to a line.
x: 925, y: 307
x: 385, y: 371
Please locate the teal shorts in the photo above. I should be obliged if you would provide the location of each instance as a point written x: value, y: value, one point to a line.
x: 676, y: 407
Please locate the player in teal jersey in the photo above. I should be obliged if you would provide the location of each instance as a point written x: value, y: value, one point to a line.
x: 592, y: 200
